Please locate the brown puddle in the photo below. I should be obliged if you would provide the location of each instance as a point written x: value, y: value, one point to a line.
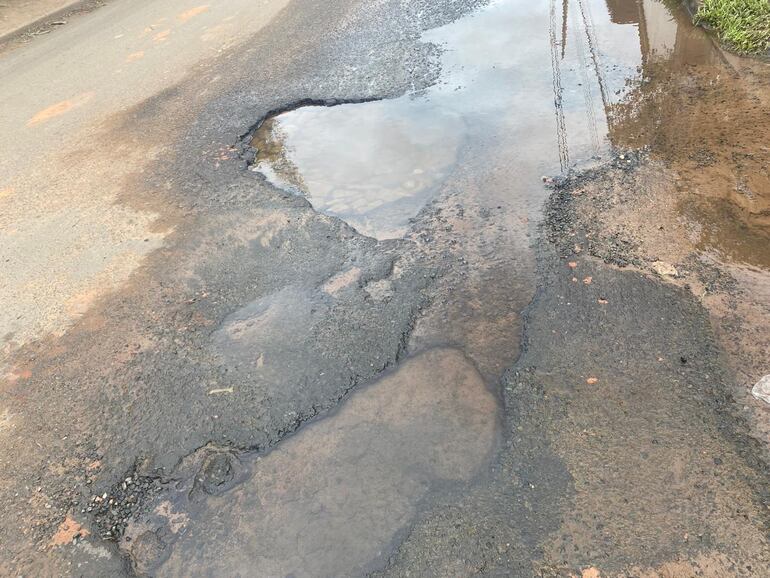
x: 331, y: 498
x: 703, y: 112
x: 726, y: 230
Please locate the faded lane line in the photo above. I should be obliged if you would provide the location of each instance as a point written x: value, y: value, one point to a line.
x: 192, y: 12
x: 161, y: 36
x: 151, y: 28
x: 134, y: 56
x: 60, y: 108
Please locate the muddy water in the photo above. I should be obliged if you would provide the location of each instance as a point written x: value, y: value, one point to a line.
x: 679, y: 107
x: 525, y: 91
x: 726, y: 231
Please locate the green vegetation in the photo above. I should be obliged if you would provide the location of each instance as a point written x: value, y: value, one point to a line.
x: 742, y: 24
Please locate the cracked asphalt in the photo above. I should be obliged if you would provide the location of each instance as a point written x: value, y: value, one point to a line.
x: 202, y: 374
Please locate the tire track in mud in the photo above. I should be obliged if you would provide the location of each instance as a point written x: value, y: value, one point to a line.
x: 561, y: 127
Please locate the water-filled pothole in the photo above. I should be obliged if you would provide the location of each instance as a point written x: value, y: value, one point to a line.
x: 376, y: 164
x: 372, y: 164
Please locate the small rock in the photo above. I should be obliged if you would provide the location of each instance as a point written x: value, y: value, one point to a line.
x: 761, y: 389
x: 662, y: 268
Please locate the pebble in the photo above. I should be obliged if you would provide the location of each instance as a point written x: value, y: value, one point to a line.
x: 663, y: 268
x: 761, y: 389
x: 113, y: 510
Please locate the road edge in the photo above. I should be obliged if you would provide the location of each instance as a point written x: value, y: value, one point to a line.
x: 45, y: 23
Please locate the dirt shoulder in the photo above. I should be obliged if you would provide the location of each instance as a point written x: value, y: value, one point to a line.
x: 693, y: 206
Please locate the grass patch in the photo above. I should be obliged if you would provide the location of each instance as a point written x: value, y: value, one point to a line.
x: 742, y: 24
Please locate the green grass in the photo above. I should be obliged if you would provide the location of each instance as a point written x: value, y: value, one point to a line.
x: 742, y: 24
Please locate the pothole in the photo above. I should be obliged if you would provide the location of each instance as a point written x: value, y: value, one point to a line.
x: 372, y: 164
x: 376, y: 164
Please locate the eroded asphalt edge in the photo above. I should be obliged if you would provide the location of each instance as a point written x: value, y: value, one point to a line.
x: 47, y: 23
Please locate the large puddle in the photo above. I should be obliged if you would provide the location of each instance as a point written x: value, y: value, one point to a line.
x: 530, y: 79
x: 527, y: 89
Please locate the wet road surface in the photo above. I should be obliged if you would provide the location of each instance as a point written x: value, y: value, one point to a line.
x: 333, y: 498
x: 295, y: 298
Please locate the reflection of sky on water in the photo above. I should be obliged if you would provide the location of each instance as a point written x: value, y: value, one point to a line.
x: 376, y: 164
x: 372, y: 164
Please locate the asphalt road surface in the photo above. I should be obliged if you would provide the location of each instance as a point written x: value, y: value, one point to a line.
x: 383, y: 288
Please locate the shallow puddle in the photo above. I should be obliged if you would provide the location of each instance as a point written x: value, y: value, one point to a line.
x: 726, y: 230
x: 331, y: 499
